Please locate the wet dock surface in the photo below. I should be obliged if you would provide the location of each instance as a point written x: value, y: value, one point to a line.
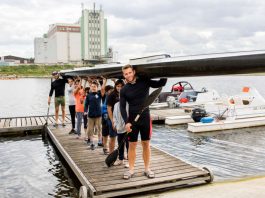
x: 101, y: 181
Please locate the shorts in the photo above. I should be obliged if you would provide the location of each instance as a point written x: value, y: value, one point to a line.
x: 105, y: 127
x: 112, y: 132
x: 59, y: 101
x: 143, y: 126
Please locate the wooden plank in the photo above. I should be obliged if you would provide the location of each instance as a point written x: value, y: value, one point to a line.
x: 108, y: 182
x: 2, y: 123
x: 28, y: 121
x: 33, y: 121
x: 171, y: 169
x: 52, y: 119
x: 68, y: 118
x: 43, y: 120
x: 13, y: 122
x: 145, y: 182
x: 38, y: 120
x: 7, y: 122
x: 72, y: 164
x: 24, y: 122
x: 161, y: 176
x: 179, y: 184
x: 19, y: 122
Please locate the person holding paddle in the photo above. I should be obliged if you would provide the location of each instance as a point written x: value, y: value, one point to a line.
x: 135, y: 92
x: 58, y: 85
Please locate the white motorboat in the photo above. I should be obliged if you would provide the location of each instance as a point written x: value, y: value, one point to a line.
x: 246, y: 109
x: 182, y: 94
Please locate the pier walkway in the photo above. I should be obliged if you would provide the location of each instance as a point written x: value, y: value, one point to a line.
x: 101, y: 181
x: 14, y: 125
x: 89, y: 166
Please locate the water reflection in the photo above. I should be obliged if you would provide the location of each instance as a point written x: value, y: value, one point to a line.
x: 29, y: 167
x: 229, y: 154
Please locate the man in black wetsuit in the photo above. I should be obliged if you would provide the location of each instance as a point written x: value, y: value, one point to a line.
x: 135, y: 93
x: 59, y: 86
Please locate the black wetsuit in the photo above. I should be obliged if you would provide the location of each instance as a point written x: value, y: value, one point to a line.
x: 135, y: 94
x: 59, y: 87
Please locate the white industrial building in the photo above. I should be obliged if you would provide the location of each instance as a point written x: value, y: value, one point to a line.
x: 62, y: 44
x: 85, y: 41
x: 40, y: 49
x: 93, y: 35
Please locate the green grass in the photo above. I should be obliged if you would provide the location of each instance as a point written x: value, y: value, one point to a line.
x: 32, y: 70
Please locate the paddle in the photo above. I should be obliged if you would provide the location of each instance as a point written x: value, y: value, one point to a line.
x: 47, y: 116
x: 112, y: 157
x: 48, y: 111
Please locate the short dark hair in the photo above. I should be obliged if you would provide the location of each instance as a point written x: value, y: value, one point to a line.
x: 108, y: 87
x: 127, y: 67
x: 95, y: 83
x: 119, y: 81
x: 87, y: 89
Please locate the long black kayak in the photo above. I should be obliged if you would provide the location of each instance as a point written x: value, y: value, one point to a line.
x: 181, y: 66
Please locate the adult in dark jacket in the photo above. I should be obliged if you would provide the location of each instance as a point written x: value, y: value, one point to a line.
x: 135, y: 93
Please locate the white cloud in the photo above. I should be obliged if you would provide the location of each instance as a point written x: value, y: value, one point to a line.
x: 140, y: 27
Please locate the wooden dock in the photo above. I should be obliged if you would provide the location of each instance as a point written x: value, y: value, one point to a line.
x: 13, y: 125
x: 101, y: 181
x: 89, y: 166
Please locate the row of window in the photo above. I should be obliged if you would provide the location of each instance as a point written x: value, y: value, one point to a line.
x: 94, y: 43
x: 94, y: 21
x: 94, y: 28
x: 68, y: 29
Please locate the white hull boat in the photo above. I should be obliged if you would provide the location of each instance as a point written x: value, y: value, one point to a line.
x: 244, y: 110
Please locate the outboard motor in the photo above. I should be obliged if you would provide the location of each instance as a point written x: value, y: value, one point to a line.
x: 171, y: 102
x: 198, y: 114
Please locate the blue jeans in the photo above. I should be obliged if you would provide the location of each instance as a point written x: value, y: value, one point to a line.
x: 79, y: 116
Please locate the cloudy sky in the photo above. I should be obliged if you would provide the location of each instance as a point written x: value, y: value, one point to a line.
x: 142, y: 27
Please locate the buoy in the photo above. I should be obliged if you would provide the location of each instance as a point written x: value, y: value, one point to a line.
x: 183, y: 100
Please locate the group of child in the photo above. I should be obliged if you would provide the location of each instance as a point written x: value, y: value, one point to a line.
x: 99, y: 110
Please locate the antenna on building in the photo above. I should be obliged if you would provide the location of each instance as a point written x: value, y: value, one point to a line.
x: 100, y: 7
x: 82, y: 6
x: 94, y: 5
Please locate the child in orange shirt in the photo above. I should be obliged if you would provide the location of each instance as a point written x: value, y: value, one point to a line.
x: 79, y: 106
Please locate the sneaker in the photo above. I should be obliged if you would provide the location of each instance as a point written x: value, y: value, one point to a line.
x: 88, y: 141
x: 72, y: 132
x: 55, y: 125
x: 126, y: 165
x: 92, y: 147
x: 105, y: 151
x: 63, y: 124
x: 118, y: 162
x: 100, y: 144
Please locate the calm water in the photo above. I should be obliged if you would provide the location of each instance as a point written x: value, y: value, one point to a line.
x: 29, y: 166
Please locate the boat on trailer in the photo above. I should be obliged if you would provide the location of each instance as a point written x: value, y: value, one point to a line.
x: 244, y: 110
